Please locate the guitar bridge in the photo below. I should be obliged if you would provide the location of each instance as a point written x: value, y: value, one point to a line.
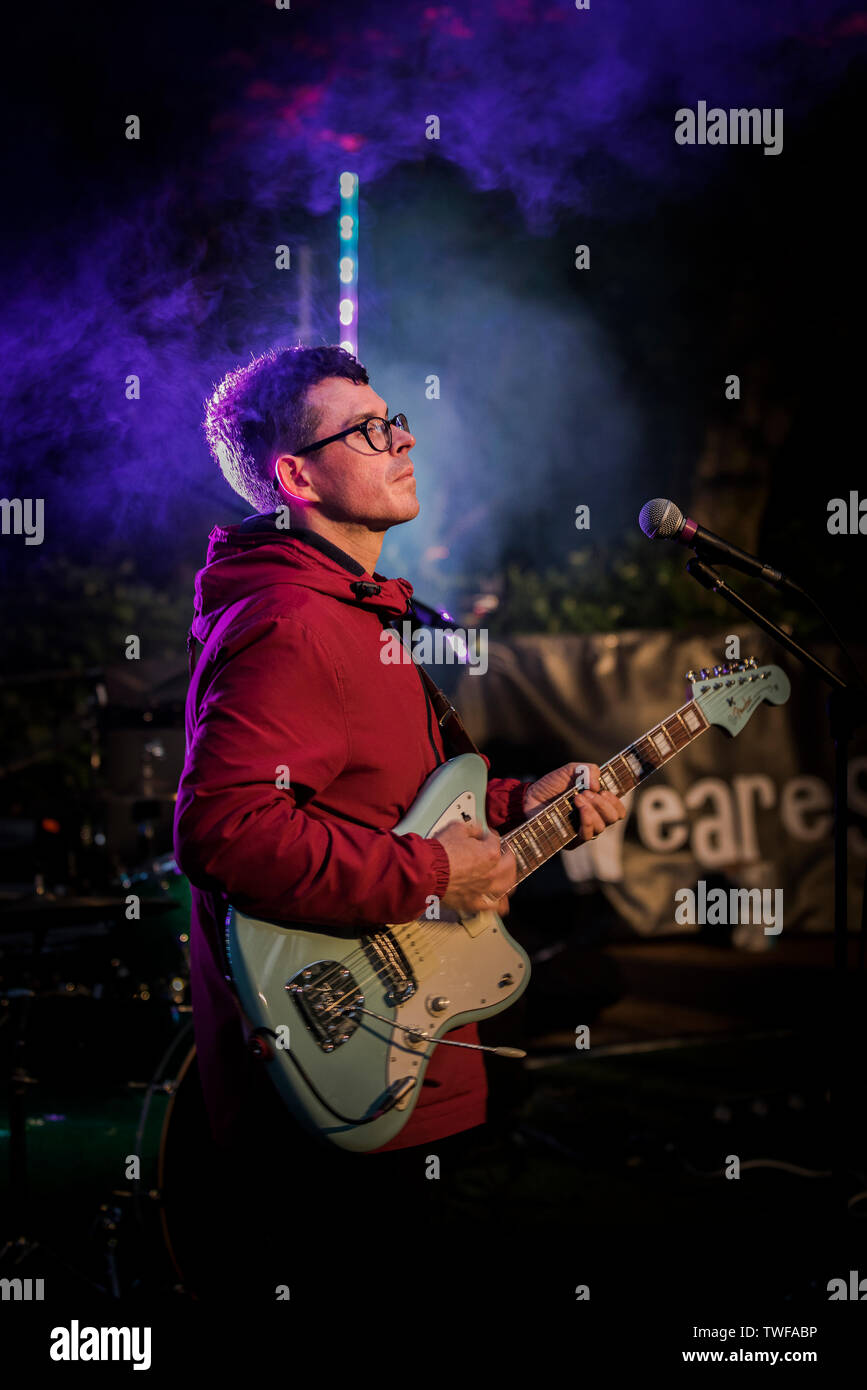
x: 327, y: 996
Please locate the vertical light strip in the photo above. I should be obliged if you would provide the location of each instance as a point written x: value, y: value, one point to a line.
x: 347, y: 313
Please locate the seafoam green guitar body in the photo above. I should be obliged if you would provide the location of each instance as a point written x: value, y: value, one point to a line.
x: 429, y: 975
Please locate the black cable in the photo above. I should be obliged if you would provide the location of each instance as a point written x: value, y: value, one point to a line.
x: 347, y: 1119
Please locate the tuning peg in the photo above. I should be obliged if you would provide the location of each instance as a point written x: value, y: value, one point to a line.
x: 751, y: 662
x: 726, y: 670
x: 717, y: 670
x: 690, y: 676
x: 702, y: 675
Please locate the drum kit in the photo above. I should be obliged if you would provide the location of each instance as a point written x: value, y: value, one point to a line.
x: 96, y: 1039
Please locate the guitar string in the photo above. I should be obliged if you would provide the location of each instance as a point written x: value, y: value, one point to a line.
x: 551, y: 840
x: 651, y: 760
x: 549, y: 833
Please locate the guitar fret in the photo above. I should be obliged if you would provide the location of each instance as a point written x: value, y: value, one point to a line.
x: 694, y: 719
x: 676, y: 732
x: 550, y: 830
x: 630, y: 780
x: 606, y: 775
x: 515, y: 845
x: 636, y: 761
x: 529, y: 845
x: 661, y: 741
x: 672, y: 729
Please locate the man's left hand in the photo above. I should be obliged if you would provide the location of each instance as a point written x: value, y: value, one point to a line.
x: 598, y: 808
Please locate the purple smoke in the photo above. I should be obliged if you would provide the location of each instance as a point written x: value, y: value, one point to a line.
x: 571, y: 112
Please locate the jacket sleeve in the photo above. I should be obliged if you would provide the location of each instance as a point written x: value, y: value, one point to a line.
x: 239, y: 829
x: 504, y: 807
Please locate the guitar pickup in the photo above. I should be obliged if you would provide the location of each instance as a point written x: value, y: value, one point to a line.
x: 387, y: 957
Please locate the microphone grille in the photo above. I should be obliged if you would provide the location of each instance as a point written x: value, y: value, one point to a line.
x: 660, y: 518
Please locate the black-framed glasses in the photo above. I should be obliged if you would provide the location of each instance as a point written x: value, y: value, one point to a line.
x: 376, y: 431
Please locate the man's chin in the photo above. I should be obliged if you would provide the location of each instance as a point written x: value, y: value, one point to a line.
x: 405, y: 513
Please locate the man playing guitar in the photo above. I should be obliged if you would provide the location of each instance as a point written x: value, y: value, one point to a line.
x: 304, y: 749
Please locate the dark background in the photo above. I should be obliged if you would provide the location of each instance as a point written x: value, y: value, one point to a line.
x: 559, y: 387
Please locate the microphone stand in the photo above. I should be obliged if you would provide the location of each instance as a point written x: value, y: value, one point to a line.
x: 847, y: 711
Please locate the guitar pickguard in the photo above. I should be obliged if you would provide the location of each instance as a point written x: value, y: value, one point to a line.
x: 460, y: 965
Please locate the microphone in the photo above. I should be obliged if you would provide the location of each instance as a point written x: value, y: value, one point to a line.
x: 660, y: 519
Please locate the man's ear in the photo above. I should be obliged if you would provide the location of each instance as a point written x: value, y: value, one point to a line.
x: 291, y: 472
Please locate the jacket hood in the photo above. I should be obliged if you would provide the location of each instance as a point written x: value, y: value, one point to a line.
x: 254, y: 554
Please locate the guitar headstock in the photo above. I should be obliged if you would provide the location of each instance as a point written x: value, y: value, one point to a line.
x: 729, y: 695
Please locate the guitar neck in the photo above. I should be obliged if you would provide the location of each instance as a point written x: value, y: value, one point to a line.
x: 552, y: 828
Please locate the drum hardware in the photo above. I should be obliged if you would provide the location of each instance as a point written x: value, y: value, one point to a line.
x: 23, y: 1246
x: 57, y: 948
x: 109, y: 1221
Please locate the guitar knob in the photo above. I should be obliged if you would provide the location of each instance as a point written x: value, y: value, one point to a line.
x: 439, y: 1004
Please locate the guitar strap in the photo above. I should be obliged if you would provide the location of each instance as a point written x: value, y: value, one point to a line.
x: 454, y: 735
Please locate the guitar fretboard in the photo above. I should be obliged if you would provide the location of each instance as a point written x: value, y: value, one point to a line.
x: 554, y: 827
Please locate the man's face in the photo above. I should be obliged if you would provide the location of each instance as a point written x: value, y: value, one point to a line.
x: 348, y: 481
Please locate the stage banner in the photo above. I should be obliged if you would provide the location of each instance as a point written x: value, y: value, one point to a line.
x: 751, y: 812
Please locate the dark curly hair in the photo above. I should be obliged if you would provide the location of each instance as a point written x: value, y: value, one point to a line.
x: 260, y: 411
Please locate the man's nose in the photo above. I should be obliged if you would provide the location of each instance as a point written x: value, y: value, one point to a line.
x: 401, y: 439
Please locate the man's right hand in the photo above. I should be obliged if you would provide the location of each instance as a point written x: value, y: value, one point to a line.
x: 481, y: 875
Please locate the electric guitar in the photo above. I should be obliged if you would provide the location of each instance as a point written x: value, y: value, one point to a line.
x: 347, y: 1026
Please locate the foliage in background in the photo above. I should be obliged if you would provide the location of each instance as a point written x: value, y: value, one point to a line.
x: 630, y: 584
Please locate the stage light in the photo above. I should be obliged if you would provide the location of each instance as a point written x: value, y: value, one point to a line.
x: 348, y: 262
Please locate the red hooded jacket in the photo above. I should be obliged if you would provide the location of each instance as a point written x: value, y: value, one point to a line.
x: 290, y: 676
